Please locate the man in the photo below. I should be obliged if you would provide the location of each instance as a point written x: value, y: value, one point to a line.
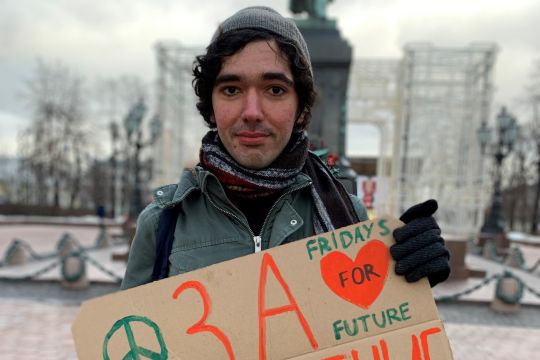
x: 257, y: 186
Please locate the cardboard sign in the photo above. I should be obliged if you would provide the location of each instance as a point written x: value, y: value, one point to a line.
x: 331, y: 296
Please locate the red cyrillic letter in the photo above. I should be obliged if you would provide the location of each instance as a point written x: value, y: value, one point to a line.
x: 423, y: 339
x: 268, y: 262
x: 375, y: 351
x: 416, y: 354
x: 200, y: 326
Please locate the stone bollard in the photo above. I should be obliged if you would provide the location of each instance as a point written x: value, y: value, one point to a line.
x: 458, y: 248
x: 501, y: 242
x: 74, y: 272
x: 490, y: 251
x: 16, y: 254
x: 457, y: 245
x: 66, y: 245
x: 515, y: 258
x: 508, y: 294
x: 102, y: 239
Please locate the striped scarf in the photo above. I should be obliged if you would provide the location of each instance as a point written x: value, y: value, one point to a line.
x: 333, y: 206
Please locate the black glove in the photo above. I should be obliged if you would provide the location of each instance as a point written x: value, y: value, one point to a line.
x: 419, y: 250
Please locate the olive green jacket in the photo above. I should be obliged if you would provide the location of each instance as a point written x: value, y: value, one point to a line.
x: 210, y: 229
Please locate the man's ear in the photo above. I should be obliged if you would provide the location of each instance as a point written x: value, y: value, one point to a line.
x: 212, y: 120
x: 300, y: 121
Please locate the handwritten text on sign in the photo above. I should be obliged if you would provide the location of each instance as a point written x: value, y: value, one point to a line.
x: 344, y: 292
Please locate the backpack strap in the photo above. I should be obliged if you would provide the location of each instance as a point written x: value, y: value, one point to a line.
x: 164, y: 242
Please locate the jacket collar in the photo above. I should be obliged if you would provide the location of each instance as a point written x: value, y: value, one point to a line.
x: 169, y: 195
x: 198, y: 179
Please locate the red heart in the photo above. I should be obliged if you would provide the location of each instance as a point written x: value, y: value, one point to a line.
x: 359, y: 282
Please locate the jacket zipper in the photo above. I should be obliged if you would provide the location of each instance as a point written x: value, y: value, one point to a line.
x: 272, y: 208
x: 257, y: 240
x: 235, y: 217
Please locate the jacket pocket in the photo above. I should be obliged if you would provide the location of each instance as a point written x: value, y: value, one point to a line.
x: 205, y: 253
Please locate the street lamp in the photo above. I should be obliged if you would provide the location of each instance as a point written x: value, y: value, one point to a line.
x: 507, y: 133
x: 155, y: 128
x: 132, y: 124
x: 115, y: 135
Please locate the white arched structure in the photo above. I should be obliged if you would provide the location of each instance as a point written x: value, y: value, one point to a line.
x: 182, y: 125
x: 447, y: 95
x: 374, y: 98
x: 428, y: 107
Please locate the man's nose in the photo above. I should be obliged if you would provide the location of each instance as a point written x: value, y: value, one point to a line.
x: 252, y: 106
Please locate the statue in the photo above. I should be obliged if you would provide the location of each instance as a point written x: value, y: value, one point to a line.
x: 314, y: 8
x: 331, y: 58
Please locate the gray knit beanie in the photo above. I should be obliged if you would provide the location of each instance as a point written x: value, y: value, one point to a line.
x: 262, y: 17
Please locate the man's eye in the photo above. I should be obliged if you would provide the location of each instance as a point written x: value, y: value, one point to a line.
x: 230, y: 90
x: 276, y: 90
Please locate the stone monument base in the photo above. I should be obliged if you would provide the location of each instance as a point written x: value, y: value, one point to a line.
x: 458, y: 249
x: 501, y: 242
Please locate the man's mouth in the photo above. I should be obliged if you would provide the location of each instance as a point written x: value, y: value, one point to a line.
x: 252, y: 138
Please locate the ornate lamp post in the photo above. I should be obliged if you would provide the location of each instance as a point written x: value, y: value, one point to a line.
x: 132, y: 124
x: 115, y: 135
x: 155, y: 131
x: 507, y: 133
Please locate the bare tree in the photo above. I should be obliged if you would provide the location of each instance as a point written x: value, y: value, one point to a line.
x: 533, y: 91
x: 530, y: 171
x: 57, y: 136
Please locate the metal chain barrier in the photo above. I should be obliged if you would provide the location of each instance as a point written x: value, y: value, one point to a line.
x: 102, y: 268
x: 531, y: 290
x: 24, y: 245
x: 36, y: 273
x: 98, y: 243
x: 80, y: 251
x: 485, y: 282
x: 515, y: 251
x: 534, y: 267
x: 472, y: 289
x: 44, y: 270
x: 491, y: 250
x: 59, y: 245
x: 518, y: 255
x: 530, y: 269
x: 32, y: 253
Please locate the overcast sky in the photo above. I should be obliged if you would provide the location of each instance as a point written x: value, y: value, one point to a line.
x: 103, y: 38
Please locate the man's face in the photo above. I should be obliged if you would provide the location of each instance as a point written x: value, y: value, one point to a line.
x: 255, y: 104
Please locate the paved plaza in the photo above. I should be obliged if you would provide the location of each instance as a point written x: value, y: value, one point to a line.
x: 36, y: 315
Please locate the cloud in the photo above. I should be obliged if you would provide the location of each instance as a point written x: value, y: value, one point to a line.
x: 381, y: 29
x: 512, y: 26
x: 110, y: 38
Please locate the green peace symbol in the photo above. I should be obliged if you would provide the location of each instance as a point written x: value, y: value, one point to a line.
x: 136, y: 351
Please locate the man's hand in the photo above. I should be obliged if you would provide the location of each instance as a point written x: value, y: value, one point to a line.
x: 419, y: 250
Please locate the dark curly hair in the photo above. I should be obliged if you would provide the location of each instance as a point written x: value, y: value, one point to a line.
x: 207, y: 67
